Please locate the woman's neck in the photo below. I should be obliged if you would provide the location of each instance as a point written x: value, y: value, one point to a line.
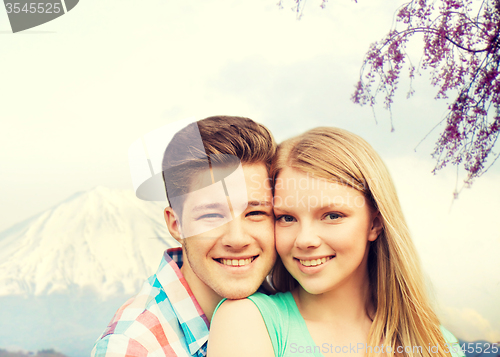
x: 339, y: 317
x: 350, y: 303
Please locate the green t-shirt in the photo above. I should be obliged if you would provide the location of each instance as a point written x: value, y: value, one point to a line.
x: 290, y: 336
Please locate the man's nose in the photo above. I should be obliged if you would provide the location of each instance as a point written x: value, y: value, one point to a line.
x: 236, y: 235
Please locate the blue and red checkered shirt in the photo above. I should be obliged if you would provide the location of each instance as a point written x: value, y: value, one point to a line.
x: 164, y: 319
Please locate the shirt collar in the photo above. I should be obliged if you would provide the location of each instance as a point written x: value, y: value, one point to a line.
x: 191, y: 317
x: 176, y: 255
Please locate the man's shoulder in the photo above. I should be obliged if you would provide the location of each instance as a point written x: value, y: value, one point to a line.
x: 136, y: 314
x: 130, y: 312
x: 151, y: 321
x: 130, y: 328
x: 152, y: 293
x: 118, y: 345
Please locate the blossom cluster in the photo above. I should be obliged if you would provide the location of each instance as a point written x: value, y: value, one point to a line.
x: 462, y: 52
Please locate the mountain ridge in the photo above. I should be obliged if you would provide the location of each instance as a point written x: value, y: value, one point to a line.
x: 105, y: 239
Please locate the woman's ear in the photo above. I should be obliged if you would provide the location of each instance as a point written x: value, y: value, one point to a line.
x: 376, y: 227
x: 173, y: 224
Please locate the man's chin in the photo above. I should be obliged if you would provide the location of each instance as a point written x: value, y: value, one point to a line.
x: 238, y: 293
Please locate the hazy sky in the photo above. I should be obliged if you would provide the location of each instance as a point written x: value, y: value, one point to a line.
x: 76, y: 92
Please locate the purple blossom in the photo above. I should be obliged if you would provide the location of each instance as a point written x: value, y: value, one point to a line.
x: 462, y: 52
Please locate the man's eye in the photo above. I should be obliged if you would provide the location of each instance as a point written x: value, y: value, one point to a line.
x: 256, y: 213
x: 258, y: 216
x: 285, y: 219
x: 332, y: 216
x: 211, y: 216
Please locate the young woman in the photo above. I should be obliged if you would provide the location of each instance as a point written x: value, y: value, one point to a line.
x: 349, y: 279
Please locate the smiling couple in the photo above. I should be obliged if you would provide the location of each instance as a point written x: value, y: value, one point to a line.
x: 346, y: 270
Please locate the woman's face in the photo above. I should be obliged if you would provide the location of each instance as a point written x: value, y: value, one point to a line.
x: 323, y: 230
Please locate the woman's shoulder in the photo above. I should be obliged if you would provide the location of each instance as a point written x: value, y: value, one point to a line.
x: 276, y: 299
x: 240, y: 307
x: 237, y: 328
x: 252, y: 303
x: 271, y: 308
x: 452, y: 343
x: 264, y: 317
x: 448, y: 336
x: 281, y: 305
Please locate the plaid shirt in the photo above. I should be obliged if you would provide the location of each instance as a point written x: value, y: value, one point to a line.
x: 164, y: 319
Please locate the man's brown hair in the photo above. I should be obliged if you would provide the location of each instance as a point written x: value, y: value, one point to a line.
x: 224, y: 139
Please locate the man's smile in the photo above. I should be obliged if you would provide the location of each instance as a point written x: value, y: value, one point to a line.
x: 236, y: 261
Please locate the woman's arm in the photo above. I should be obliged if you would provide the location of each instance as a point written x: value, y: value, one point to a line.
x: 238, y: 329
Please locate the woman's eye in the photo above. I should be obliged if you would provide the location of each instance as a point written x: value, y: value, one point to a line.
x: 285, y: 219
x: 332, y: 216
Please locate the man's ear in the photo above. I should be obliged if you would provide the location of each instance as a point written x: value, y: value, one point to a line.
x: 173, y: 224
x: 376, y: 227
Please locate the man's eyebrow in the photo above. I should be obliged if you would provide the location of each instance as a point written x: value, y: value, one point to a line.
x: 259, y: 203
x: 217, y: 205
x: 209, y: 206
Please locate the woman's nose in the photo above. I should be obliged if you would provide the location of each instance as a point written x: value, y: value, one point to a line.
x: 307, y: 238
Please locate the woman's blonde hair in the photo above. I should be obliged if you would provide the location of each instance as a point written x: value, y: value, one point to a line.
x: 403, y: 314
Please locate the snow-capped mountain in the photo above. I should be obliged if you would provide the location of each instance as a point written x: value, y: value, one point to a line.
x: 103, y: 239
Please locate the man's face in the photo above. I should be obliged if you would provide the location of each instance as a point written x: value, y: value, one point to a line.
x: 229, y: 237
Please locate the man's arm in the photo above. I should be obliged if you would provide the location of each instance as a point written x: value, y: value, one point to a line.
x: 238, y: 329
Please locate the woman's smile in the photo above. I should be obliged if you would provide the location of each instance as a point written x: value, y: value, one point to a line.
x: 313, y: 266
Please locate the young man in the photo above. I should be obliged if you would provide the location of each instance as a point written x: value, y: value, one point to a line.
x: 216, y: 177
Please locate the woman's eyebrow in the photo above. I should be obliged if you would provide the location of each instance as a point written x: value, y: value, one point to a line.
x: 281, y: 210
x: 344, y: 207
